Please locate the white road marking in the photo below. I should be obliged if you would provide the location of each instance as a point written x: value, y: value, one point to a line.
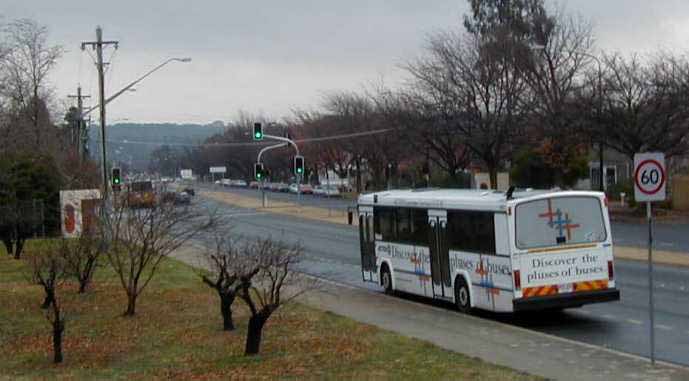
x: 664, y: 327
x: 634, y: 321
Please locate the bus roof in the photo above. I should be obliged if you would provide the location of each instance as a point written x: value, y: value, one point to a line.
x: 471, y: 199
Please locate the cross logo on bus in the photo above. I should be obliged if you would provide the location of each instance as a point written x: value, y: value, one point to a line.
x: 562, y: 225
x: 549, y: 214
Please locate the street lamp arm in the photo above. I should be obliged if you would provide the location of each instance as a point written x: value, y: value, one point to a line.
x: 117, y: 94
x: 280, y: 138
x: 265, y: 149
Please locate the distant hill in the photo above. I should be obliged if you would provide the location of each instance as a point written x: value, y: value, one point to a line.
x: 132, y: 143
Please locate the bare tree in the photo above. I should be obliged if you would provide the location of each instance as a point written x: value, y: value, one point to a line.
x: 275, y: 285
x: 27, y: 65
x: 141, y: 238
x: 475, y: 95
x: 47, y: 269
x: 230, y: 272
x: 647, y: 104
x: 81, y: 258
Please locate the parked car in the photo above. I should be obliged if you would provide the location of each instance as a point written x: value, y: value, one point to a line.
x: 226, y: 182
x: 293, y: 188
x: 254, y: 185
x: 240, y: 183
x: 283, y: 187
x: 331, y: 191
x: 318, y: 190
x: 306, y: 189
x: 274, y: 187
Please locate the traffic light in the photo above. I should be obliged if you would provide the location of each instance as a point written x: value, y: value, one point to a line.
x: 258, y: 131
x: 116, y: 176
x: 299, y: 165
x: 116, y: 180
x: 258, y: 171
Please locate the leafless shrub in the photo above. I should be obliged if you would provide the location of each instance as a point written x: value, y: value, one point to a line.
x: 276, y: 284
x: 141, y: 238
x: 47, y: 268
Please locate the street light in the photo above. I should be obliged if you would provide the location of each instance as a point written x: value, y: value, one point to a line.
x: 131, y: 85
x: 601, y: 142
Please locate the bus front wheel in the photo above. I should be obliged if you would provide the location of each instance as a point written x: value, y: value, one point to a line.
x: 386, y: 280
x: 462, y: 296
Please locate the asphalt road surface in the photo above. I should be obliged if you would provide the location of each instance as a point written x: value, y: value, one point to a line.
x: 332, y: 252
x: 667, y: 236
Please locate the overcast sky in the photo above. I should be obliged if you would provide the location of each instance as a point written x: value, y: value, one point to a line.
x: 271, y: 56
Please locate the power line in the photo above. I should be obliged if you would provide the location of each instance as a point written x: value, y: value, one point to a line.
x: 250, y: 144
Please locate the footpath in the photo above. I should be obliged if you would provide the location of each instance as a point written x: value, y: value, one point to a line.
x: 664, y: 257
x: 528, y: 351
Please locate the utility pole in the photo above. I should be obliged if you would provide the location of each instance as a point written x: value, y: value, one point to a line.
x: 81, y: 129
x: 98, y: 46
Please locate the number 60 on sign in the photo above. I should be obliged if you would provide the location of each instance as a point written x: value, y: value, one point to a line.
x: 650, y: 177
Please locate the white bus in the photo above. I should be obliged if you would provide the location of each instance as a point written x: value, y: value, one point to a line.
x: 498, y: 251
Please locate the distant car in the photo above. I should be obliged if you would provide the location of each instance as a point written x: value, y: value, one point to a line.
x: 240, y: 183
x: 225, y: 182
x: 282, y: 187
x: 293, y: 188
x: 331, y: 191
x: 318, y: 190
x: 190, y: 191
x: 254, y: 185
x: 218, y: 182
x: 306, y: 188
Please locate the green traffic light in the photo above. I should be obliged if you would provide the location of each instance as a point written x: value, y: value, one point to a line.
x: 258, y: 135
x: 116, y: 181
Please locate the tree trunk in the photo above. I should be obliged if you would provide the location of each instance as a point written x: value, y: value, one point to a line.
x: 358, y: 175
x: 49, y: 298
x: 9, y: 246
x: 131, y: 305
x: 58, y: 329
x: 18, y: 247
x: 493, y: 175
x: 83, y: 283
x: 226, y: 311
x: 253, y: 335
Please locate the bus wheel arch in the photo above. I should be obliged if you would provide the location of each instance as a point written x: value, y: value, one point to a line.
x: 389, y: 283
x: 463, y: 295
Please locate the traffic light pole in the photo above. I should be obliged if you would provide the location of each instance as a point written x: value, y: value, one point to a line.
x: 264, y: 198
x: 285, y: 141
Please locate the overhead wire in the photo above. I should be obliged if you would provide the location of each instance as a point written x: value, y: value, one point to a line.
x: 248, y: 144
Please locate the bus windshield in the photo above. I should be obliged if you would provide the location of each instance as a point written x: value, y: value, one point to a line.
x: 558, y: 221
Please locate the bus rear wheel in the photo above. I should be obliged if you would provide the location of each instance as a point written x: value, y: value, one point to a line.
x: 386, y: 280
x: 462, y: 296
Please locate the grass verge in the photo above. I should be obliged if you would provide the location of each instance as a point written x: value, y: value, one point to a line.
x: 177, y: 334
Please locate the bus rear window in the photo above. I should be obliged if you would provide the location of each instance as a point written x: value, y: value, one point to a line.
x: 558, y: 221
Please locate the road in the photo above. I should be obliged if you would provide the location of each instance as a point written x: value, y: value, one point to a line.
x: 667, y: 236
x: 332, y: 252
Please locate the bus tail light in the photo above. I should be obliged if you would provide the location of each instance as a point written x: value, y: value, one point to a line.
x: 518, y: 280
x: 611, y: 271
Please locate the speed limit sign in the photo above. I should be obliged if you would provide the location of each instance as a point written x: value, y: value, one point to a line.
x: 650, y: 176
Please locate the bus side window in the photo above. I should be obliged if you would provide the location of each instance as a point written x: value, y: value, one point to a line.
x: 385, y: 223
x: 419, y: 219
x: 471, y: 231
x: 403, y: 218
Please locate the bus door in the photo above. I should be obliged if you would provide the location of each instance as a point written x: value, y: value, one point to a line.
x: 439, y: 254
x: 367, y: 245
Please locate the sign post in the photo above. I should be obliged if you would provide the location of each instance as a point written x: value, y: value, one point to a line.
x: 650, y: 180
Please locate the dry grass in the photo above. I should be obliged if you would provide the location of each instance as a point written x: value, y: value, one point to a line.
x: 177, y: 334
